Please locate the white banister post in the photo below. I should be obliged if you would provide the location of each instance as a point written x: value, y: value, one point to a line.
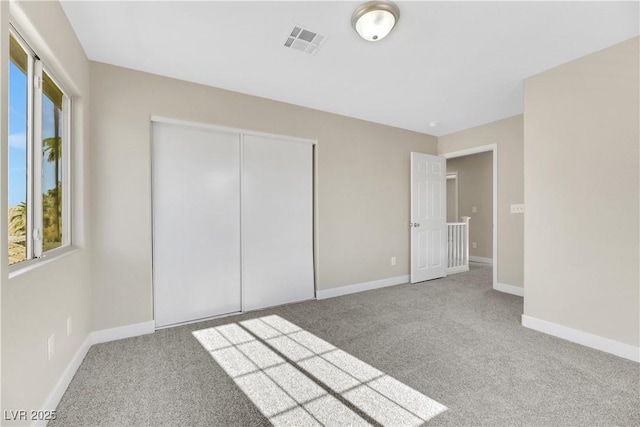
x: 466, y: 239
x: 449, y: 245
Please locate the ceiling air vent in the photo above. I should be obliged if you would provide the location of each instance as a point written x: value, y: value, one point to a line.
x: 304, y: 40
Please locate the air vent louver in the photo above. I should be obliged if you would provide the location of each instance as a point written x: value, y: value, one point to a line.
x: 307, y: 35
x: 304, y: 40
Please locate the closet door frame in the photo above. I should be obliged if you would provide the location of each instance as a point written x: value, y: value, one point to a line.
x: 241, y: 132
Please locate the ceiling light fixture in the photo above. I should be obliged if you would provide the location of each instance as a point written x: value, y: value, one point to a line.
x: 374, y: 20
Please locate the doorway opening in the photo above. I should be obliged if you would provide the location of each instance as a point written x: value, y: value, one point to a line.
x: 452, y: 196
x: 482, y: 205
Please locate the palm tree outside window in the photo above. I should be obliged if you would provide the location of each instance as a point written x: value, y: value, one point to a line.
x: 52, y: 98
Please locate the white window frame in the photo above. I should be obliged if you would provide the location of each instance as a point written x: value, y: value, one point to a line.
x: 35, y: 254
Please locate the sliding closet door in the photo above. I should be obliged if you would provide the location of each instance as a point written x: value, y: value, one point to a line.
x: 277, y: 266
x: 196, y: 223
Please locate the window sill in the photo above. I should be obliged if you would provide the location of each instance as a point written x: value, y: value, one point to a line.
x: 32, y: 264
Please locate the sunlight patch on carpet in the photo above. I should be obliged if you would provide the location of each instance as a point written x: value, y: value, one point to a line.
x: 297, y: 379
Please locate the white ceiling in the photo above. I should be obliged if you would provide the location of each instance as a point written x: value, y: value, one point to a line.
x: 459, y: 64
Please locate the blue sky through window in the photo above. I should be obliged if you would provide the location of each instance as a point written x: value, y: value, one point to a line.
x: 18, y: 137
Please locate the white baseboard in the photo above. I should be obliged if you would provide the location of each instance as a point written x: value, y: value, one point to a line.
x: 95, y: 337
x: 128, y: 331
x: 584, y: 338
x: 480, y: 259
x: 360, y: 287
x: 454, y: 270
x: 65, y: 379
x: 509, y: 289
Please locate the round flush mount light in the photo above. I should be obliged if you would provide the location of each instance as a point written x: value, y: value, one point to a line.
x: 374, y: 20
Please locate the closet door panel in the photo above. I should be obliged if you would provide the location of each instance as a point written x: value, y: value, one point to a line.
x: 196, y: 223
x: 277, y: 266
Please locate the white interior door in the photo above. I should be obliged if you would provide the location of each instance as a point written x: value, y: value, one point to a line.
x: 196, y: 223
x: 277, y: 233
x: 428, y: 217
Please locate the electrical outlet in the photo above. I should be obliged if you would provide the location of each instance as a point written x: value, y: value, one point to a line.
x: 51, y: 346
x: 517, y: 208
x: 474, y: 245
x: 393, y: 260
x: 69, y: 326
x: 474, y: 210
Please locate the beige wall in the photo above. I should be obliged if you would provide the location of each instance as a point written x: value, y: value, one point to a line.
x: 475, y: 189
x: 36, y: 303
x: 362, y: 188
x: 508, y: 135
x: 452, y: 197
x: 581, y: 187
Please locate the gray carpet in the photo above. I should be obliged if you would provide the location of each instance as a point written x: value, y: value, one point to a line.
x: 455, y: 340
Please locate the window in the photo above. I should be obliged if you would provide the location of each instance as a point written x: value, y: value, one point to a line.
x: 38, y: 157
